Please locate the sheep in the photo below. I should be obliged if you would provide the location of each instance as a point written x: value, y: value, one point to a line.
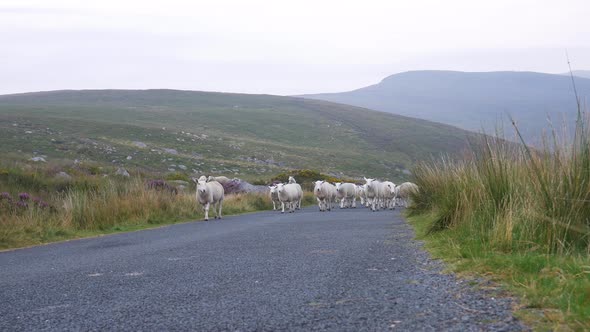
x: 210, y: 193
x: 325, y: 193
x: 274, y: 196
x: 368, y: 196
x: 289, y: 194
x: 346, y: 192
x: 404, y: 191
x: 374, y: 192
x: 221, y: 179
x: 360, y: 192
x: 292, y: 181
x: 389, y: 195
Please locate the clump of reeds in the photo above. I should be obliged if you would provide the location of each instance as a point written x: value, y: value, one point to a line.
x: 510, y: 196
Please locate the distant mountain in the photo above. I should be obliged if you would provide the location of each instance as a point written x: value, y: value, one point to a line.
x: 250, y: 136
x: 580, y: 73
x: 473, y: 101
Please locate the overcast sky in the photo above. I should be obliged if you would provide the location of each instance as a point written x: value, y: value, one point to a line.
x: 278, y: 47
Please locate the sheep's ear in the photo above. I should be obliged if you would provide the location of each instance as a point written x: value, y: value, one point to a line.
x: 194, y: 180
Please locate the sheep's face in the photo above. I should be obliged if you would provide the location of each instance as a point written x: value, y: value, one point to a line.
x: 291, y: 179
x: 280, y: 188
x: 318, y: 186
x: 391, y: 187
x: 273, y: 189
x: 370, y: 183
x: 202, y: 187
x: 338, y: 184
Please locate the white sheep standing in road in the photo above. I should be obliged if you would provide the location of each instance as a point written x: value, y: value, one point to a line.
x: 289, y: 195
x: 274, y: 196
x: 368, y: 196
x: 389, y: 194
x: 374, y: 192
x: 360, y: 193
x: 210, y: 193
x: 346, y: 192
x: 403, y: 192
x: 325, y: 192
x: 292, y: 181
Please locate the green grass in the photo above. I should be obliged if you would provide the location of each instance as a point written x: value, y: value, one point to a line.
x: 518, y: 215
x: 249, y: 136
x: 553, y: 290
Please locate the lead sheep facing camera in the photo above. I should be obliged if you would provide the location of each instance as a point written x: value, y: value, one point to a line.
x: 325, y: 193
x: 290, y: 195
x: 347, y: 194
x: 210, y: 193
x: 274, y: 196
x: 404, y: 191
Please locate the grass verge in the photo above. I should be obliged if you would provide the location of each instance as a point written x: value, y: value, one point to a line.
x: 553, y: 289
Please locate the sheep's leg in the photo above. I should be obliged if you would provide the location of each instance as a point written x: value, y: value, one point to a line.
x: 207, y: 211
x: 283, y: 206
x: 354, y: 202
x: 342, y: 203
x: 274, y: 206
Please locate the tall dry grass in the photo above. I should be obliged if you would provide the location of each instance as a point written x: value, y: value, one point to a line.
x: 110, y: 205
x: 512, y: 197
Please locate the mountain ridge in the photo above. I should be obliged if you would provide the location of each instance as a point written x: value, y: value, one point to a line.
x: 471, y: 100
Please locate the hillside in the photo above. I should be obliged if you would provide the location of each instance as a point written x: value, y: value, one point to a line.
x: 580, y: 73
x: 472, y: 100
x: 250, y: 136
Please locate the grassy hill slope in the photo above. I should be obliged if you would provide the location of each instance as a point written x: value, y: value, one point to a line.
x: 250, y: 136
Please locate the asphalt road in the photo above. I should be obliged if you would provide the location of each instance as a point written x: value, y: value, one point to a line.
x: 346, y: 270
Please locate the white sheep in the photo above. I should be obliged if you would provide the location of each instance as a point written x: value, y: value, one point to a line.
x: 404, y: 191
x: 210, y: 193
x: 221, y: 179
x: 388, y: 195
x: 360, y: 193
x: 346, y: 192
x: 292, y: 181
x: 325, y: 192
x: 289, y: 194
x: 374, y: 192
x: 274, y: 196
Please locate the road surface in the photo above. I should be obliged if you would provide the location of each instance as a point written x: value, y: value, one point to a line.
x: 345, y: 270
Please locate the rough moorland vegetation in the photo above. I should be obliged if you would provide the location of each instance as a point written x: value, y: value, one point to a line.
x: 519, y: 215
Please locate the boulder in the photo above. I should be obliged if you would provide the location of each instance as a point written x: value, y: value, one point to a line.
x: 122, y: 172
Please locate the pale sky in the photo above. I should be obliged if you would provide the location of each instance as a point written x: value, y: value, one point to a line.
x: 278, y: 47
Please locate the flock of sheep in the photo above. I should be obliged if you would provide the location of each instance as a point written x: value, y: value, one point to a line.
x: 374, y: 194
